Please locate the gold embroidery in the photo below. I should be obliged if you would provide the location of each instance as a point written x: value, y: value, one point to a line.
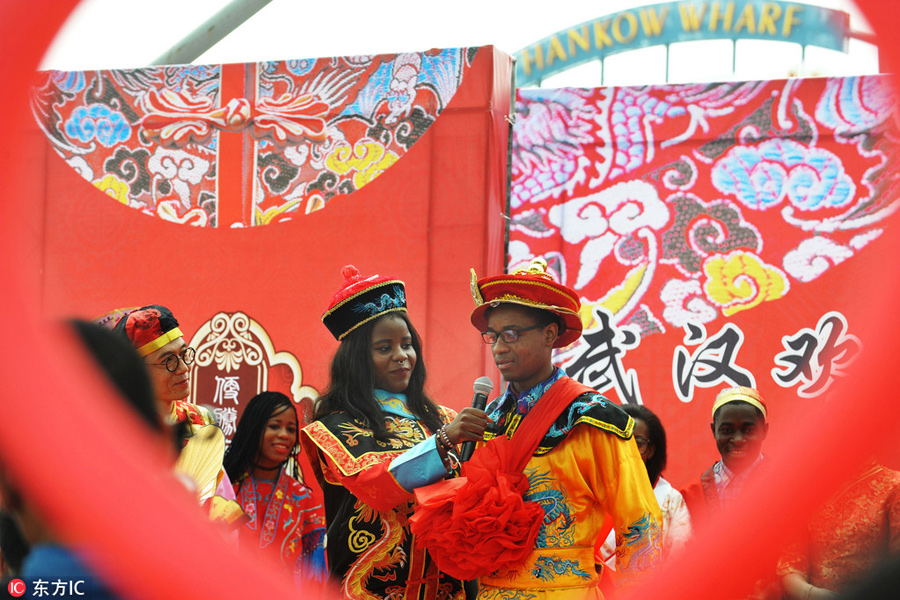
x: 538, y: 266
x: 379, y: 555
x: 359, y: 540
x: 527, y: 282
x: 473, y: 286
x: 353, y: 431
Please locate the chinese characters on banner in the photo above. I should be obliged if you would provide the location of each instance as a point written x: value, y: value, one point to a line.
x: 715, y: 234
x: 810, y: 361
x: 236, y: 360
x: 812, y: 358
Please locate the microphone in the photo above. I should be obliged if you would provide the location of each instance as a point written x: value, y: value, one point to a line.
x: 483, y: 387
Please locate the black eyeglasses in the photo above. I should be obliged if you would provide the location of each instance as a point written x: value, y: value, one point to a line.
x: 171, y: 362
x: 508, y: 336
x: 642, y: 443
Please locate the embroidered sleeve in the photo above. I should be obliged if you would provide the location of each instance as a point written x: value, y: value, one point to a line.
x: 375, y: 485
x: 382, y: 474
x: 624, y: 489
x: 312, y: 558
x: 364, y: 472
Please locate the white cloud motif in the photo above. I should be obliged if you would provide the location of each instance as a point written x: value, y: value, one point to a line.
x: 180, y: 168
x: 605, y: 218
x: 813, y: 257
x: 519, y: 254
x: 82, y: 167
x: 686, y: 303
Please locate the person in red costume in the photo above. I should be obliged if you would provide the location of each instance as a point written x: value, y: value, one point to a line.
x: 156, y: 336
x: 857, y: 529
x: 739, y: 427
x: 284, y: 519
x: 376, y: 438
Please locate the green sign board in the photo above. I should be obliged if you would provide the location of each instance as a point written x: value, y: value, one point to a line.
x: 670, y: 22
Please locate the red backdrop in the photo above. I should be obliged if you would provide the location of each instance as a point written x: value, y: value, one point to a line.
x: 137, y: 529
x: 716, y: 235
x: 146, y: 190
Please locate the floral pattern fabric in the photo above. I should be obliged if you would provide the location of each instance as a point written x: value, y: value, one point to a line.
x: 619, y: 177
x: 856, y: 529
x: 173, y: 142
x: 676, y: 208
x: 284, y: 521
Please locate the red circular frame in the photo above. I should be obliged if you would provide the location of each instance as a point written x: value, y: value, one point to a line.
x: 58, y: 424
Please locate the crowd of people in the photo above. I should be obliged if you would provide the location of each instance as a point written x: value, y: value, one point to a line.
x: 562, y: 499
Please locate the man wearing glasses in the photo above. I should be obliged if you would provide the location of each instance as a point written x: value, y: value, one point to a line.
x: 586, y: 466
x: 154, y: 333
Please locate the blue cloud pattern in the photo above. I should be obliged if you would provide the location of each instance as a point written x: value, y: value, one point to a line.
x: 100, y: 122
x: 761, y: 176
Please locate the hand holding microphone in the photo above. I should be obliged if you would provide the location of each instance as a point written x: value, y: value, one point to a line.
x: 471, y: 422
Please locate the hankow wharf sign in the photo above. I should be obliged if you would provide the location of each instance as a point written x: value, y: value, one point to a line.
x: 669, y: 22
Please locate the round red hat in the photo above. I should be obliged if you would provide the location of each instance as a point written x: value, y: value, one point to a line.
x: 149, y: 328
x: 531, y: 286
x: 361, y: 299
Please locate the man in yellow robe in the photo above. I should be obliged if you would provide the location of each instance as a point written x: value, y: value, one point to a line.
x: 586, y: 466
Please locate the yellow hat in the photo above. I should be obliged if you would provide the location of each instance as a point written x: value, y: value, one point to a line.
x: 740, y: 394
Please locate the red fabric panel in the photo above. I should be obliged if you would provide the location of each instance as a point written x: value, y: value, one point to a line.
x: 714, y: 567
x: 425, y: 220
x: 233, y: 184
x: 465, y: 227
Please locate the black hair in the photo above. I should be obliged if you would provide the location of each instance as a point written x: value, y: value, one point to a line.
x: 241, y: 454
x: 352, y: 386
x: 124, y: 369
x: 13, y: 545
x: 657, y: 463
x: 759, y: 413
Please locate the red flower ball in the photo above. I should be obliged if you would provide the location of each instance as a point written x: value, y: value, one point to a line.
x: 478, y: 523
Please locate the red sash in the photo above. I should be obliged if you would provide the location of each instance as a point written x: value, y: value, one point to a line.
x: 479, y: 523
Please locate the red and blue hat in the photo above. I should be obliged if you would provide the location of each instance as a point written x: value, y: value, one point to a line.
x: 149, y: 328
x: 362, y: 299
x: 531, y: 286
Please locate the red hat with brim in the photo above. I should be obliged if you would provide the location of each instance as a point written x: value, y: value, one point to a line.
x: 533, y: 287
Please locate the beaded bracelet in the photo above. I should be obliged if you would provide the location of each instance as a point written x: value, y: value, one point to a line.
x: 437, y: 437
x: 445, y: 438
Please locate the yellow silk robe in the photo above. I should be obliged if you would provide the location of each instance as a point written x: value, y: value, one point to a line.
x: 588, y: 474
